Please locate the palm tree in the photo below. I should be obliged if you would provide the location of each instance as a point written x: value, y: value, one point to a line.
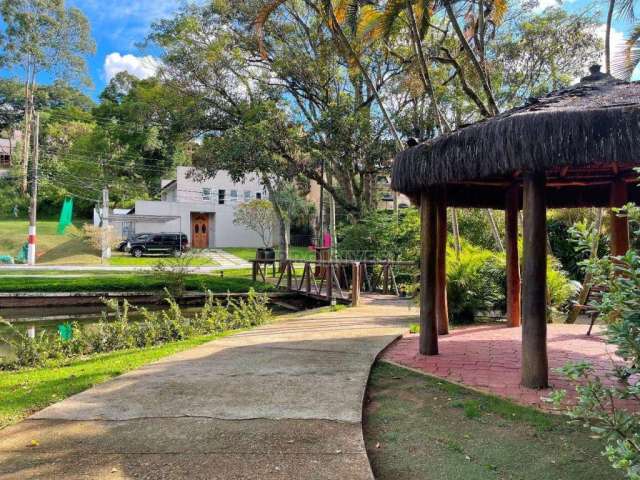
x: 626, y: 61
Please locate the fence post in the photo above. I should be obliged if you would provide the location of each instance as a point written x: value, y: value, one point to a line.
x: 254, y: 270
x: 307, y: 269
x: 289, y: 273
x: 385, y: 284
x: 329, y: 274
x: 355, y: 284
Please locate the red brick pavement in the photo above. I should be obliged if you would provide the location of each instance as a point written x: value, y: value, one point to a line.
x: 487, y: 358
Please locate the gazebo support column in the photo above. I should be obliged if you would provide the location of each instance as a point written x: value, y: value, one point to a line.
x: 535, y: 367
x: 513, y: 260
x: 428, y: 256
x: 442, y: 309
x: 619, y: 226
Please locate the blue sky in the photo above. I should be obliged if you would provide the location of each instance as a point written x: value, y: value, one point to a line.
x: 118, y: 25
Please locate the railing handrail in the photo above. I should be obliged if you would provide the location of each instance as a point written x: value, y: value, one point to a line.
x: 335, y: 262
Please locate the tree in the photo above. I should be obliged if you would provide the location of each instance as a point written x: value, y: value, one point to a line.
x: 289, y: 206
x: 258, y: 216
x: 43, y: 36
x: 304, y: 97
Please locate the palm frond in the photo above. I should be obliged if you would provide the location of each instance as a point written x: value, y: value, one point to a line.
x: 627, y: 59
x: 368, y: 28
x: 625, y: 9
x: 260, y: 21
x: 499, y: 11
x: 392, y: 11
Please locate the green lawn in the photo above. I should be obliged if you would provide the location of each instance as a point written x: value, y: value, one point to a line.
x: 250, y: 253
x: 26, y: 391
x: 126, y: 260
x: 52, y: 249
x: 233, y: 281
x: 418, y: 427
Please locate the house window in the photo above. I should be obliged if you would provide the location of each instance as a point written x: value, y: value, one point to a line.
x: 247, y: 195
x: 258, y: 195
x: 206, y: 194
x: 233, y: 196
x: 5, y: 161
x: 221, y: 195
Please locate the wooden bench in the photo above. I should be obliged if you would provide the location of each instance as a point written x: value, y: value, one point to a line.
x: 594, y: 296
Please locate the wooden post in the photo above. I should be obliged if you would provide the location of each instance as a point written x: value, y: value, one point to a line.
x: 254, y: 270
x: 355, y: 284
x: 442, y: 309
x: 618, y: 225
x: 385, y: 282
x: 307, y: 268
x: 329, y: 275
x: 428, y: 325
x: 289, y: 274
x: 513, y: 259
x: 535, y: 366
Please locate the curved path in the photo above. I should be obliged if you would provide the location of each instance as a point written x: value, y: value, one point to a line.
x: 283, y: 401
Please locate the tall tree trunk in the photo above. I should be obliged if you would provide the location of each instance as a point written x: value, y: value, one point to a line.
x: 283, y: 224
x: 425, y: 76
x: 482, y: 74
x: 26, y: 135
x: 494, y: 229
x: 607, y: 37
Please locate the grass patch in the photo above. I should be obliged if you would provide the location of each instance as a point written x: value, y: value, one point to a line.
x: 231, y: 282
x: 27, y: 391
x: 420, y: 427
x: 126, y: 260
x: 52, y: 249
x: 250, y: 253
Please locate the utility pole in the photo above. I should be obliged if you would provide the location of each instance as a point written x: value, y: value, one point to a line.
x: 106, y: 248
x: 31, y: 253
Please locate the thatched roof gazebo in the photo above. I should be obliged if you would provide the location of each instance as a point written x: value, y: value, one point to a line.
x: 576, y: 147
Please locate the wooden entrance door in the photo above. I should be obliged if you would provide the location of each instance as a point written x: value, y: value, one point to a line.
x: 200, y: 230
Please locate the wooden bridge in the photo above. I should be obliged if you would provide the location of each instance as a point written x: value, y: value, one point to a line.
x: 333, y: 280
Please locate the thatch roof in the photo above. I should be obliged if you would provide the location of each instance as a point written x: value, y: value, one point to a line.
x: 596, y: 121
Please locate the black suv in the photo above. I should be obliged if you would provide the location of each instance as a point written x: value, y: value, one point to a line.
x: 124, y: 244
x: 167, y: 243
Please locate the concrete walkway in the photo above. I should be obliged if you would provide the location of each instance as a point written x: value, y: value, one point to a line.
x: 283, y: 401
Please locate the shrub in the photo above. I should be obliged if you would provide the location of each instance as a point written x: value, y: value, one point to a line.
x: 154, y: 328
x: 93, y: 235
x: 476, y: 282
x: 174, y: 272
x: 598, y: 404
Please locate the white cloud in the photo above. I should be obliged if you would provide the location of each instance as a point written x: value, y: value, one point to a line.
x: 544, y: 4
x: 141, y: 67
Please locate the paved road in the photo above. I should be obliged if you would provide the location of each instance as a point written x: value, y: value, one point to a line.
x: 283, y: 401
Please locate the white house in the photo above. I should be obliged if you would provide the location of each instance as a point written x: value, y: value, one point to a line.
x: 7, y: 148
x: 204, y: 210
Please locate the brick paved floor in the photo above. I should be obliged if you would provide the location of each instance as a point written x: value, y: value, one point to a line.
x: 487, y: 358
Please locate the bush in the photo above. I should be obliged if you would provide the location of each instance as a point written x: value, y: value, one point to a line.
x: 598, y: 402
x: 476, y: 282
x: 154, y: 328
x: 380, y: 235
x: 92, y: 235
x: 175, y: 272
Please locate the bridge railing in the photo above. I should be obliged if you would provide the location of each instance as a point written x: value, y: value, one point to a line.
x: 333, y: 280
